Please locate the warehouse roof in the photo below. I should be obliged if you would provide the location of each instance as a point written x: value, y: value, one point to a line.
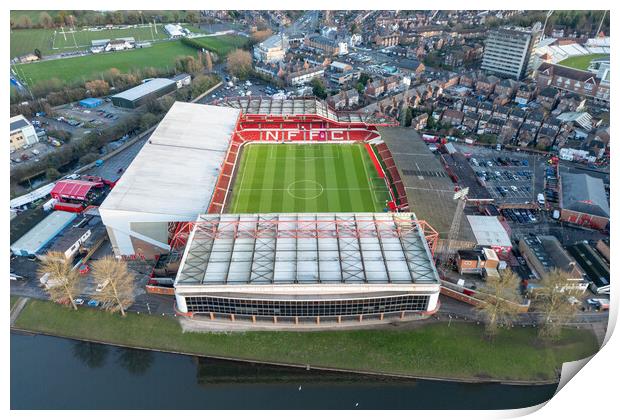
x: 144, y: 89
x: 42, y: 233
x: 584, y: 194
x: 69, y: 188
x: 176, y: 170
x: 489, y: 231
x: 334, y: 248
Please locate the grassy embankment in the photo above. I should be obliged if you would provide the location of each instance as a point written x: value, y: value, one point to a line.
x: 437, y: 350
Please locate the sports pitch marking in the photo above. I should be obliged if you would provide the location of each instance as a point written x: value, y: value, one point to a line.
x: 320, y: 189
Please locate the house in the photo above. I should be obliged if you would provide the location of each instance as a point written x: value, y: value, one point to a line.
x: 509, y: 131
x: 340, y: 67
x: 470, y: 105
x: 468, y: 80
x: 452, y: 117
x: 485, y: 109
x: 501, y: 112
x: 470, y: 121
x: 344, y: 99
x: 548, y: 97
x: 517, y: 115
x: 571, y: 102
x: 527, y: 134
x: 304, y: 76
x: 375, y: 88
x: 506, y: 87
x: 535, y: 118
x: 392, y: 83
x: 486, y: 85
x: 571, y: 80
x: 546, y: 137
x: 494, y: 126
x: 525, y: 93
x: 419, y: 122
x: 344, y: 78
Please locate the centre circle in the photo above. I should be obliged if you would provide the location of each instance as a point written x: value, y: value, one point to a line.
x: 306, y: 189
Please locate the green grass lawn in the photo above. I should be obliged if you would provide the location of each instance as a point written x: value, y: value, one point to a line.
x: 581, y: 62
x: 314, y: 177
x: 86, y: 68
x: 458, y: 351
x: 221, y: 45
x: 24, y: 41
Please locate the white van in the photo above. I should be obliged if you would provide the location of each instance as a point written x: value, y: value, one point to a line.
x: 541, y: 199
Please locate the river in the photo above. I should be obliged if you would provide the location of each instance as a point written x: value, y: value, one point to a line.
x: 55, y: 373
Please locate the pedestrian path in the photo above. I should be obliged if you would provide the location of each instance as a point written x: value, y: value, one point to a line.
x: 17, y: 308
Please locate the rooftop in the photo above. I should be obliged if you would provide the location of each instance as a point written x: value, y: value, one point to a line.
x: 144, y: 89
x: 489, y: 231
x: 18, y: 122
x: 42, y: 233
x: 299, y: 106
x: 584, y: 194
x: 332, y: 248
x: 176, y: 170
x: 429, y: 189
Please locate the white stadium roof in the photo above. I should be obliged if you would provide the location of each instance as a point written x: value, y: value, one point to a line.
x: 306, y: 249
x: 176, y: 170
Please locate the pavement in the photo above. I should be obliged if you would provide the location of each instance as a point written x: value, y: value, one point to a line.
x: 17, y: 308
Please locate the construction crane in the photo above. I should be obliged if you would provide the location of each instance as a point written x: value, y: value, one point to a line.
x: 461, y: 199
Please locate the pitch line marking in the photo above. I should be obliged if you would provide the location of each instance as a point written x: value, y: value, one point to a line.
x: 309, y: 181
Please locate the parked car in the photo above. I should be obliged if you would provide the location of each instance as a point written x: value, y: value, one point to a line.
x: 79, y: 301
x: 93, y: 302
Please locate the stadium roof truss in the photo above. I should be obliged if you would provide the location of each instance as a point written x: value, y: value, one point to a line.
x: 349, y: 248
x: 266, y: 106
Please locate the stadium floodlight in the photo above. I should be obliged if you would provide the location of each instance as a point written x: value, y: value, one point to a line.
x: 461, y: 193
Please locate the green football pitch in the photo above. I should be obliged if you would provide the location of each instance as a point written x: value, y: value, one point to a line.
x: 307, y: 178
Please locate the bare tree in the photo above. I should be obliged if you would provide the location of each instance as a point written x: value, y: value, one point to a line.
x: 62, y: 284
x: 239, y: 63
x: 118, y: 284
x: 46, y: 20
x: 499, y: 301
x: 208, y: 61
x: 554, y: 303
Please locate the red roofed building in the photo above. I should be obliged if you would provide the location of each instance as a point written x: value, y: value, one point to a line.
x: 73, y: 189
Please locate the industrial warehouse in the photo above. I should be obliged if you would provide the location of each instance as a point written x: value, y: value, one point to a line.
x: 280, y: 266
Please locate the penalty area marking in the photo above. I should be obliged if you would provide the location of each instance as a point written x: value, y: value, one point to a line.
x: 316, y: 187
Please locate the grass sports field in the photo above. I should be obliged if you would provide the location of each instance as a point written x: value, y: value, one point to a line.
x: 89, y: 67
x: 306, y: 178
x: 221, y: 45
x: 581, y: 62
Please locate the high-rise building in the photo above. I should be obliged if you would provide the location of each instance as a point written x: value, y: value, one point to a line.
x: 509, y: 51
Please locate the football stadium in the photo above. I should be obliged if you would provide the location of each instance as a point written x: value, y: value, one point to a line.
x: 279, y: 211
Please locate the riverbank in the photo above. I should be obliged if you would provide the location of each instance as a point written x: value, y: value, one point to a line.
x: 458, y: 352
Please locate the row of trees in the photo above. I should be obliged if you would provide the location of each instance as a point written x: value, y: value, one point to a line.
x: 117, y: 294
x: 92, y: 18
x: 552, y: 302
